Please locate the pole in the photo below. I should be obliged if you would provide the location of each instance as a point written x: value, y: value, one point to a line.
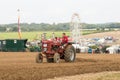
x: 19, y: 30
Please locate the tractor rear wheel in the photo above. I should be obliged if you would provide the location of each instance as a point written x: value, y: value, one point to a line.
x: 56, y: 58
x: 70, y: 54
x: 39, y: 58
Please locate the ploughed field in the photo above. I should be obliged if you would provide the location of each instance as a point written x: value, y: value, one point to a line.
x: 22, y: 66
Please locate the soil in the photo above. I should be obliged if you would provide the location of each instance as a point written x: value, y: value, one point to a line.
x: 22, y: 66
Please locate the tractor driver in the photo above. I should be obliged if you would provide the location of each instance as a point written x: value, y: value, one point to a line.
x: 64, y: 38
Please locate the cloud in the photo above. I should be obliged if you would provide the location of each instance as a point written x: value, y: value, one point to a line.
x: 91, y: 11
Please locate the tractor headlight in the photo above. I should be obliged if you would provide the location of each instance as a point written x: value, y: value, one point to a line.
x: 44, y: 45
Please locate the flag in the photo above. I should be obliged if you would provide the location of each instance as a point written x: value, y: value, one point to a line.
x: 19, y: 29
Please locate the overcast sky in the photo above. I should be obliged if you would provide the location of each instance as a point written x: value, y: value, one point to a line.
x: 49, y: 11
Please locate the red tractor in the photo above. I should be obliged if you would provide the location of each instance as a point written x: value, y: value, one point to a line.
x: 54, y: 51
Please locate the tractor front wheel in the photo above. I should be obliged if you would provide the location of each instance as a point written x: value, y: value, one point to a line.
x: 39, y: 58
x: 56, y: 58
x: 70, y: 54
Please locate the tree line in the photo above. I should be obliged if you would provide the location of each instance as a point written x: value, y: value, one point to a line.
x: 54, y: 27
